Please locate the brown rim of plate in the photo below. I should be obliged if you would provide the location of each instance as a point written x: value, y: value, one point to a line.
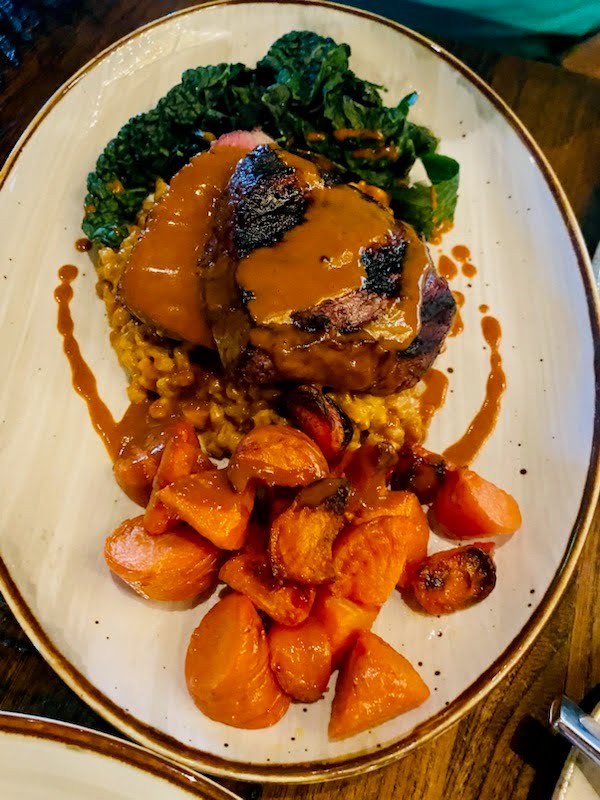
x: 367, y: 760
x: 111, y: 747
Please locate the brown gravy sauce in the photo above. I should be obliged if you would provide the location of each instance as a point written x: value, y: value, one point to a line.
x: 466, y: 448
x: 391, y: 152
x: 458, y: 325
x: 321, y: 259
x: 484, y: 308
x: 463, y: 255
x: 380, y: 195
x: 136, y: 422
x: 357, y: 133
x: 447, y: 268
x: 434, y: 394
x: 315, y: 260
x: 83, y: 245
x: 160, y: 282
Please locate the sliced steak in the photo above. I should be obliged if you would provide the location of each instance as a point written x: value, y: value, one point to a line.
x: 311, y: 281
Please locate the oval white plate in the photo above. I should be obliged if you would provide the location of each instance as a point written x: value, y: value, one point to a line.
x: 124, y: 656
x: 41, y: 758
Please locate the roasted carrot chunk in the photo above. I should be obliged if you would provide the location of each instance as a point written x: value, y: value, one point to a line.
x: 343, y: 620
x: 320, y: 417
x: 415, y: 537
x: 370, y: 558
x: 278, y: 456
x: 368, y: 469
x: 181, y: 456
x: 420, y: 471
x: 250, y: 574
x: 454, y: 579
x: 374, y: 685
x: 467, y: 507
x: 227, y: 667
x: 303, y: 535
x: 178, y: 565
x: 134, y: 471
x: 393, y: 504
x: 301, y: 659
x: 157, y: 517
x: 207, y: 502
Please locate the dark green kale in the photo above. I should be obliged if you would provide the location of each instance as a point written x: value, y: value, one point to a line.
x: 314, y: 93
x: 302, y: 92
x: 425, y: 206
x: 159, y: 142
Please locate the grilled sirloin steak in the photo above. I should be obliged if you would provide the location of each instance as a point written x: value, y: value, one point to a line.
x: 309, y: 280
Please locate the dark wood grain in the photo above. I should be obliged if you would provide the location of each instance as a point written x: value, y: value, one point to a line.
x: 503, y: 748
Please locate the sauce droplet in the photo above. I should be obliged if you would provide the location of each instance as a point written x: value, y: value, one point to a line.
x: 463, y: 255
x: 434, y: 393
x: 357, y: 133
x: 466, y: 448
x: 461, y: 252
x: 83, y: 245
x: 447, y: 268
x: 458, y: 324
x: 484, y: 308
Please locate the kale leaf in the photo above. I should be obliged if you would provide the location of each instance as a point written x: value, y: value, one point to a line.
x: 159, y: 142
x: 426, y: 207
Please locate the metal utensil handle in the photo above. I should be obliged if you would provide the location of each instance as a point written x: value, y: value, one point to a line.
x: 576, y: 726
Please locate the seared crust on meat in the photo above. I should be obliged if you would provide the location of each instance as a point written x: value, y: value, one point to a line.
x: 342, y: 341
x: 261, y: 218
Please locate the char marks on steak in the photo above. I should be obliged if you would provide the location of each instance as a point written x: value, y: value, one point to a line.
x: 260, y: 218
x: 354, y: 340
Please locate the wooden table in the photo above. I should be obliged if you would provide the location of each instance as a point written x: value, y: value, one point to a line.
x: 502, y: 749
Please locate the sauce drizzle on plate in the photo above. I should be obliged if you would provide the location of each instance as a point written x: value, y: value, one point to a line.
x: 434, y: 394
x: 466, y: 448
x: 136, y: 421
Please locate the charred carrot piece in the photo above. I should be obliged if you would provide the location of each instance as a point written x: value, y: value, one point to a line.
x: 179, y: 565
x: 419, y: 471
x: 302, y: 536
x: 468, y: 506
x: 320, y: 417
x: 278, y: 456
x: 454, y: 579
x: 374, y: 685
x: 301, y: 659
x: 251, y: 575
x: 227, y: 667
